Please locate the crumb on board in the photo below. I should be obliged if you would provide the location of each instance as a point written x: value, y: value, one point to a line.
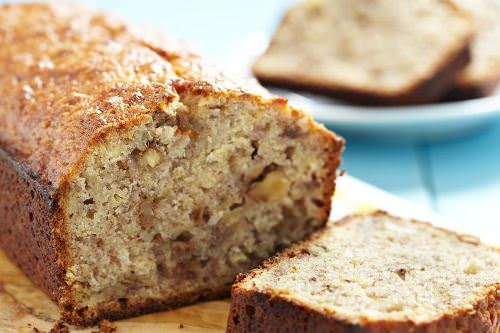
x: 181, y: 325
x: 105, y: 326
x: 34, y: 329
x: 59, y: 327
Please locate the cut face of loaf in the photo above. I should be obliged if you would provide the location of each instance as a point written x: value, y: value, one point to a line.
x: 369, y: 52
x: 134, y: 177
x: 182, y: 203
x: 373, y: 273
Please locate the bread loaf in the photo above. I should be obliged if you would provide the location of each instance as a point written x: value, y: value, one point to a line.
x: 373, y: 274
x: 133, y: 176
x: 369, y: 52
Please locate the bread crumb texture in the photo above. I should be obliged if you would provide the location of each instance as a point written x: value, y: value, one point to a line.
x: 190, y: 198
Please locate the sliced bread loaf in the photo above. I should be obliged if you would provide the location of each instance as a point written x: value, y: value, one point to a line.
x: 376, y: 52
x: 482, y: 75
x: 135, y: 177
x: 373, y: 273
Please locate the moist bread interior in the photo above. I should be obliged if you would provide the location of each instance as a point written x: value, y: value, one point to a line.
x: 204, y: 189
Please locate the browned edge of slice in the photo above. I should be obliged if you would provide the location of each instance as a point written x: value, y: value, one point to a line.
x: 472, y: 90
x: 263, y: 311
x: 124, y: 308
x: 429, y: 90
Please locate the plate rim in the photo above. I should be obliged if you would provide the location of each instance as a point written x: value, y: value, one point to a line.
x: 356, y: 115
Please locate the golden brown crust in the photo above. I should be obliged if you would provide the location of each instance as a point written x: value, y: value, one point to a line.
x: 335, y: 148
x: 68, y: 79
x: 125, y: 308
x: 31, y: 231
x: 64, y: 84
x: 259, y: 312
x: 263, y: 311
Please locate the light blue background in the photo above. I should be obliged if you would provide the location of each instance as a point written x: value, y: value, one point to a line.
x: 460, y: 179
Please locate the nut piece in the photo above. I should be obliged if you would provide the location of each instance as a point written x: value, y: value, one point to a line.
x: 163, y: 106
x: 473, y: 267
x: 394, y: 307
x: 273, y: 187
x: 315, y: 4
x: 151, y: 157
x: 236, y: 255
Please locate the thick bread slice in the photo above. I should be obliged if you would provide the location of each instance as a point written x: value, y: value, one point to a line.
x: 373, y: 273
x: 482, y: 75
x: 369, y: 52
x: 133, y: 176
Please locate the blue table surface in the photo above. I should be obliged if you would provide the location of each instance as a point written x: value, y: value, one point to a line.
x: 459, y: 179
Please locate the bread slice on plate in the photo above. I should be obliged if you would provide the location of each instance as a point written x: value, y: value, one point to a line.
x: 373, y: 273
x: 135, y: 177
x: 369, y: 52
x: 482, y: 75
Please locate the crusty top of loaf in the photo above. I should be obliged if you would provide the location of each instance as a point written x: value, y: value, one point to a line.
x: 68, y: 76
x: 375, y: 268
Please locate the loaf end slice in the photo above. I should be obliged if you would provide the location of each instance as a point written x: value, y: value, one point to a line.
x: 136, y: 177
x: 373, y: 273
x: 365, y: 52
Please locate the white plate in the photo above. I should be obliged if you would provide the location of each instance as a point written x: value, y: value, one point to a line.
x: 423, y: 122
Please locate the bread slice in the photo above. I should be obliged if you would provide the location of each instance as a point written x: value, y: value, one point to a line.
x: 482, y: 75
x: 369, y: 52
x: 373, y: 273
x: 133, y: 176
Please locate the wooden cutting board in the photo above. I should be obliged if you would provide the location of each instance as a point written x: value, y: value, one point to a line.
x: 23, y: 307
